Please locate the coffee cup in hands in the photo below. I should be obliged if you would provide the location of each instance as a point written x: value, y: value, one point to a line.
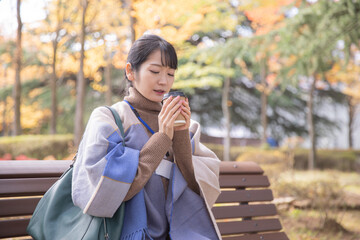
x: 180, y: 120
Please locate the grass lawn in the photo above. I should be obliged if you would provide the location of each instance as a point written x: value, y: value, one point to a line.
x: 309, y: 225
x: 334, y: 195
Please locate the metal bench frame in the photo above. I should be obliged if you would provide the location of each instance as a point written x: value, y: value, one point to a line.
x: 243, y: 210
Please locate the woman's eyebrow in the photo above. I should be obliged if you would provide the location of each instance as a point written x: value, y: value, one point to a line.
x: 159, y: 65
x: 156, y: 64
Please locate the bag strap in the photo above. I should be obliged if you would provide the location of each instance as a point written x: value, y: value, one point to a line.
x: 121, y: 128
x: 118, y: 123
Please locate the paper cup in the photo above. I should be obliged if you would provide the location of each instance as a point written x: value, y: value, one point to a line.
x: 180, y: 120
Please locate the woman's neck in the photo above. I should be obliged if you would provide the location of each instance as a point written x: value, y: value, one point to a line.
x: 138, y: 101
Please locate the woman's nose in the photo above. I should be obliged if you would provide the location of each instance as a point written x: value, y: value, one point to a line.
x: 163, y: 79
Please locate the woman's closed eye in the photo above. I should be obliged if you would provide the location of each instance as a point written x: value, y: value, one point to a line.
x: 157, y: 72
x: 154, y: 72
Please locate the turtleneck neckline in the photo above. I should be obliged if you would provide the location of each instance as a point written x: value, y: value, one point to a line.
x: 138, y: 101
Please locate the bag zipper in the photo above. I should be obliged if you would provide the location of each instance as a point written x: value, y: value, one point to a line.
x: 106, y: 232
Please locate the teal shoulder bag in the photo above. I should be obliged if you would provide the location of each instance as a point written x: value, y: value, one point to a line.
x: 56, y: 217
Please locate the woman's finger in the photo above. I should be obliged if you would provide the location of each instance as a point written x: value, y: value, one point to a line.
x: 165, y: 105
x: 174, y: 116
x: 185, y: 111
x: 168, y: 123
x: 170, y: 111
x: 169, y: 114
x: 168, y: 105
x: 167, y: 101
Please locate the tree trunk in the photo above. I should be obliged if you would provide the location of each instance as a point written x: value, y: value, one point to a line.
x: 4, y: 113
x: 128, y: 5
x: 310, y: 118
x: 4, y: 124
x: 108, y: 94
x: 53, y: 80
x: 227, y: 117
x: 17, y: 84
x: 351, y: 113
x: 53, y: 87
x: 132, y: 22
x: 264, y: 103
x: 80, y: 85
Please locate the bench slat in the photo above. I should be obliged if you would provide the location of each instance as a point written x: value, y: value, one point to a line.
x: 239, y: 181
x: 25, y: 186
x: 18, y: 207
x: 33, y: 178
x: 240, y: 168
x: 245, y: 196
x: 13, y: 228
x: 33, y: 168
x: 248, y: 226
x: 244, y: 211
x: 264, y: 236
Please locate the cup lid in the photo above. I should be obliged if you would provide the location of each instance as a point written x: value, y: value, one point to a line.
x: 174, y: 94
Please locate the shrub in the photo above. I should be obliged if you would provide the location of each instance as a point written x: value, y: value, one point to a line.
x: 319, y: 187
x: 271, y: 161
x: 218, y: 149
x: 322, y: 190
x: 37, y: 146
x: 343, y: 160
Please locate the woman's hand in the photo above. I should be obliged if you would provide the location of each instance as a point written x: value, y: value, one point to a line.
x: 185, y: 111
x: 169, y: 112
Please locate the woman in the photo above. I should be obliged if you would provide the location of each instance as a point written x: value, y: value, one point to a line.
x: 166, y: 178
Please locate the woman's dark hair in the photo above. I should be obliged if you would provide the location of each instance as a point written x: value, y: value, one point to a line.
x: 147, y: 44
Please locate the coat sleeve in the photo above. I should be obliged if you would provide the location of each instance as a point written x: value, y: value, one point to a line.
x: 183, y: 158
x: 149, y: 159
x: 104, y: 168
x: 206, y: 166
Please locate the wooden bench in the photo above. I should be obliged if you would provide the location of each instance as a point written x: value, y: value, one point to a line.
x: 243, y: 210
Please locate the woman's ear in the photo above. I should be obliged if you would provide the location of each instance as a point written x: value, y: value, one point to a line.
x: 129, y: 72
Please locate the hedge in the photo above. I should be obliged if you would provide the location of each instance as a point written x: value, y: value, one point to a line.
x: 37, y: 146
x: 61, y: 146
x: 343, y: 160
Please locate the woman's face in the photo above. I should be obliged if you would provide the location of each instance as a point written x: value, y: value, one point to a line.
x: 152, y: 79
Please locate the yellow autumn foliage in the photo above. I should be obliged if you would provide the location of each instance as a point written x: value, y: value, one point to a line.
x: 170, y: 19
x: 265, y: 15
x: 98, y: 87
x: 35, y: 92
x: 31, y: 115
x: 33, y: 72
x: 7, y: 76
x: 349, y: 76
x: 6, y: 109
x: 119, y: 59
x: 5, y: 58
x: 70, y: 63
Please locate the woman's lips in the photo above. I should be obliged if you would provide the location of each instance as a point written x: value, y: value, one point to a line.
x: 159, y: 92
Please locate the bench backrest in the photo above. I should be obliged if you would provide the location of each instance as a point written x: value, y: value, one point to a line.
x: 243, y: 210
